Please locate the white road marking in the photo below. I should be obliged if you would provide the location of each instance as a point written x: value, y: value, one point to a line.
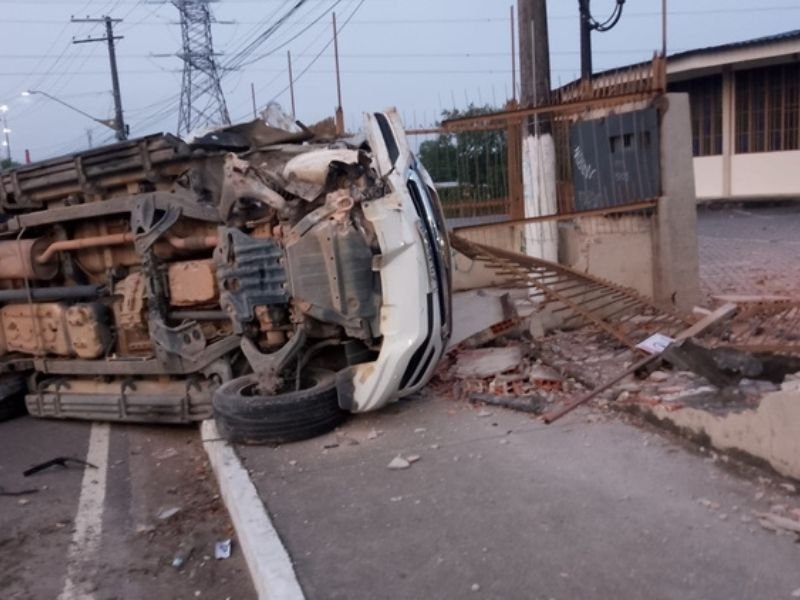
x: 83, y: 550
x: 267, y: 559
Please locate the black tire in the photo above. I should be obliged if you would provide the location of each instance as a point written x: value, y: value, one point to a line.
x: 246, y: 417
x: 12, y: 396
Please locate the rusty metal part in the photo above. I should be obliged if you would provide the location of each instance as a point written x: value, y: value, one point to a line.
x: 120, y: 239
x: 192, y: 283
x: 772, y: 326
x: 706, y: 323
x: 133, y: 337
x: 267, y: 367
x: 620, y: 312
x: 18, y: 260
x: 55, y: 328
x: 123, y: 399
x: 569, y: 216
x: 112, y: 239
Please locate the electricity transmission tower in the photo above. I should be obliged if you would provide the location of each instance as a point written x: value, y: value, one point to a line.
x: 202, y: 100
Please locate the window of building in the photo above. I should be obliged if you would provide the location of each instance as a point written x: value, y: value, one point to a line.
x: 768, y: 109
x: 705, y: 98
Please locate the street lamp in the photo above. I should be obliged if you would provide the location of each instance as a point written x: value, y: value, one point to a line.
x: 6, y: 131
x: 110, y: 123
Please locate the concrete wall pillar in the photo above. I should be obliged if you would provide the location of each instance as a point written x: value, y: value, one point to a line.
x: 728, y: 128
x: 676, y: 273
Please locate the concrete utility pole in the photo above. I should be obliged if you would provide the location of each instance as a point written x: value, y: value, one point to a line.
x: 534, y: 52
x: 110, y: 38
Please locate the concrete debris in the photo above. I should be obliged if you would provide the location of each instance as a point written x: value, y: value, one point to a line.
x: 485, y: 413
x: 475, y: 587
x: 398, y: 463
x: 182, y: 555
x: 659, y: 376
x: 796, y: 593
x: 420, y: 430
x: 486, y: 362
x: 709, y: 504
x: 168, y: 513
x: 778, y: 523
x: 789, y: 487
x: 165, y: 454
x: 412, y: 458
x: 529, y: 404
x: 374, y: 434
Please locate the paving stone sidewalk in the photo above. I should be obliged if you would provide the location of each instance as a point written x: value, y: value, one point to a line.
x: 750, y: 251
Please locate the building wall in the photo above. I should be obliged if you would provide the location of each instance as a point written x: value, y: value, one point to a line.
x: 766, y: 174
x: 709, y: 177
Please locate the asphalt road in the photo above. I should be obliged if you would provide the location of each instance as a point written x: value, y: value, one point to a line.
x: 501, y: 506
x: 96, y: 533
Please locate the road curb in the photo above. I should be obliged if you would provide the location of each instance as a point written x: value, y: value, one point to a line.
x: 267, y: 559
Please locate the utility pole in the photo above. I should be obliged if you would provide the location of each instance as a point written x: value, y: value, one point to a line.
x: 534, y: 52
x: 586, y: 40
x: 339, y: 109
x: 89, y: 137
x: 109, y: 38
x: 588, y: 24
x: 253, y: 98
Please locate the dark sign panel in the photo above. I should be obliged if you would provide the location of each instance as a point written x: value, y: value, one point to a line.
x: 615, y: 160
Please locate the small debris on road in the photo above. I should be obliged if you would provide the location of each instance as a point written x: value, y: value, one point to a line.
x: 796, y: 593
x: 412, y: 458
x: 60, y: 461
x: 475, y: 587
x: 374, y: 434
x: 4, y: 492
x: 420, y: 430
x: 168, y: 513
x: 397, y: 463
x: 183, y: 554
x: 222, y: 549
x: 484, y: 413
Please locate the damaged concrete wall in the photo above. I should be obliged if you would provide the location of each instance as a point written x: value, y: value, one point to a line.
x: 619, y: 249
x: 768, y: 433
x: 472, y: 275
x: 656, y: 255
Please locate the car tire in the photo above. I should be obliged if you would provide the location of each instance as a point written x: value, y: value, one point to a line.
x: 12, y: 396
x: 246, y: 417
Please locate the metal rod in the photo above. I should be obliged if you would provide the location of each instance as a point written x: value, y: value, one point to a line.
x: 253, y: 97
x: 47, y: 294
x: 601, y: 212
x: 291, y: 83
x: 339, y: 110
x: 513, y: 57
x: 557, y: 414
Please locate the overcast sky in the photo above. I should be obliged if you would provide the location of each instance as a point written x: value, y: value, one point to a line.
x: 420, y: 55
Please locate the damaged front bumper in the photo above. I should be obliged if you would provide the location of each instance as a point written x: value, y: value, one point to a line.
x: 414, y: 267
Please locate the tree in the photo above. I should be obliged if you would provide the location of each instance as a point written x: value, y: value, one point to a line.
x: 470, y: 165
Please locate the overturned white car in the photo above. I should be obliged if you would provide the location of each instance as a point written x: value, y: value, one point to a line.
x: 276, y: 280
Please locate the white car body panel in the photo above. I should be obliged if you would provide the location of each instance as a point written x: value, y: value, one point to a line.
x: 408, y: 282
